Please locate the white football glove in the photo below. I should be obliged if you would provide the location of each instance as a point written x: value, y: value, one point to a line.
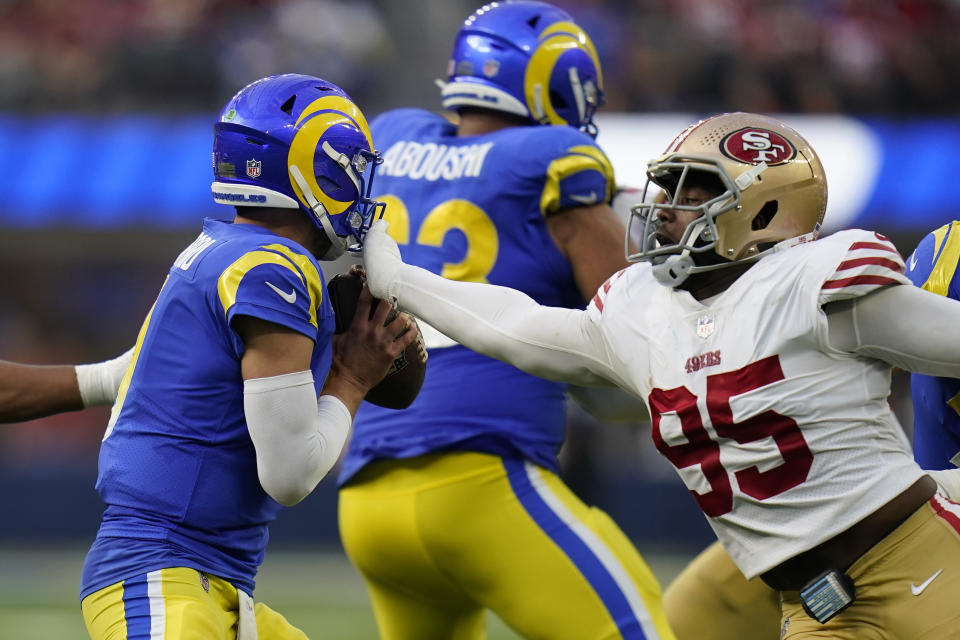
x: 381, y: 259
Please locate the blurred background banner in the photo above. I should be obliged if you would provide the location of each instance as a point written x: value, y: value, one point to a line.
x: 106, y: 114
x: 138, y: 170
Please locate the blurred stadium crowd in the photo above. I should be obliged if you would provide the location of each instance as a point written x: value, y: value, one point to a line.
x: 815, y: 56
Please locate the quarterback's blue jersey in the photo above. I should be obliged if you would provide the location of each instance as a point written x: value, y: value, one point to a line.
x: 936, y: 401
x: 473, y: 209
x: 177, y: 468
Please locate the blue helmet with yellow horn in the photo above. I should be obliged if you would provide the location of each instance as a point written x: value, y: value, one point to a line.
x: 528, y: 59
x: 298, y: 142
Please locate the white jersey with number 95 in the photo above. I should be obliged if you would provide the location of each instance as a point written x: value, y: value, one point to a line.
x: 783, y: 440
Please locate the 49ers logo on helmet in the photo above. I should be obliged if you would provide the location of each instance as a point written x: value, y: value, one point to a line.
x: 753, y: 146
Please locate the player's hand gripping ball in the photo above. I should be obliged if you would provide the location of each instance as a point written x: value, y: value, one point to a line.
x: 401, y: 384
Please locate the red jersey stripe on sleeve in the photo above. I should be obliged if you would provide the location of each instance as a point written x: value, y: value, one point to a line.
x: 949, y: 511
x: 880, y: 246
x: 880, y: 281
x: 601, y: 294
x: 882, y: 262
x: 869, y: 264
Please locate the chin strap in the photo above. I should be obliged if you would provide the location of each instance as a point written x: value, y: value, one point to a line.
x: 338, y: 245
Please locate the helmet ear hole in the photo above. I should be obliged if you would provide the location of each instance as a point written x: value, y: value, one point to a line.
x: 327, y: 185
x: 765, y: 216
x: 287, y: 107
x: 557, y: 100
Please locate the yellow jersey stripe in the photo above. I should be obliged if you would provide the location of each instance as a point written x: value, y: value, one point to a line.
x: 954, y: 403
x: 309, y: 270
x: 946, y: 264
x: 565, y: 167
x: 231, y: 277
x: 125, y: 381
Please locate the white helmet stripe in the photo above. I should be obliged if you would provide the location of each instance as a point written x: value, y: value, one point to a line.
x: 578, y: 93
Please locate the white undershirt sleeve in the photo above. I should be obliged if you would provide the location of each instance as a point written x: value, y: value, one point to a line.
x: 297, y: 438
x: 550, y: 342
x: 901, y: 325
x: 99, y: 382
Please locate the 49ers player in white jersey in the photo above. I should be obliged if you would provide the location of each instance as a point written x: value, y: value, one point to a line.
x: 764, y: 356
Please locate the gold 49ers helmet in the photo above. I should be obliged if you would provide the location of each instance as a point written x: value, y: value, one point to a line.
x: 768, y: 183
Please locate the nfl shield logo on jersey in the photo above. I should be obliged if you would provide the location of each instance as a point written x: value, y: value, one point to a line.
x: 704, y: 326
x: 253, y: 168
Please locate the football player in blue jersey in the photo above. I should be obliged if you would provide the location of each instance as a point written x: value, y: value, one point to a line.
x: 239, y: 398
x: 454, y: 506
x: 936, y: 400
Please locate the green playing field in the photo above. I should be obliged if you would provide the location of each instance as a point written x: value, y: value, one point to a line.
x: 319, y: 592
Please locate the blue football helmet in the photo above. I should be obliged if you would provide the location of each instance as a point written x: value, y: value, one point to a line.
x: 529, y: 59
x: 298, y: 142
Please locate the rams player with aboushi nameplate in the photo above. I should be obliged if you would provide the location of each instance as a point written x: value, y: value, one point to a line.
x: 473, y: 208
x: 454, y: 506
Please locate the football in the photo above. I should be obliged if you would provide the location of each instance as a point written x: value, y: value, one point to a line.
x: 401, y: 384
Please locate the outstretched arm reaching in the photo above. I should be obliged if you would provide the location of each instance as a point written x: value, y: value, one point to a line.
x: 925, y: 341
x: 29, y: 391
x: 550, y: 342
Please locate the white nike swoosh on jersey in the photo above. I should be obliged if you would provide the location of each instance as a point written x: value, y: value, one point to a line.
x: 918, y: 589
x: 585, y: 200
x: 913, y: 262
x: 289, y: 297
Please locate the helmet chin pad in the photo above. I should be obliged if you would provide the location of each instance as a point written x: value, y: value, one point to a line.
x: 672, y: 271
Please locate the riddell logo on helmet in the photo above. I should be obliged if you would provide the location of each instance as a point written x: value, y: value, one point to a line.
x: 754, y: 146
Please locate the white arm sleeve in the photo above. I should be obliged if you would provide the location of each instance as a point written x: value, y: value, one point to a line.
x: 901, y: 325
x: 297, y: 438
x: 550, y: 342
x: 99, y: 382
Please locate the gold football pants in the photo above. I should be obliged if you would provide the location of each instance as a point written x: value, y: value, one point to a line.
x: 907, y: 585
x: 711, y: 600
